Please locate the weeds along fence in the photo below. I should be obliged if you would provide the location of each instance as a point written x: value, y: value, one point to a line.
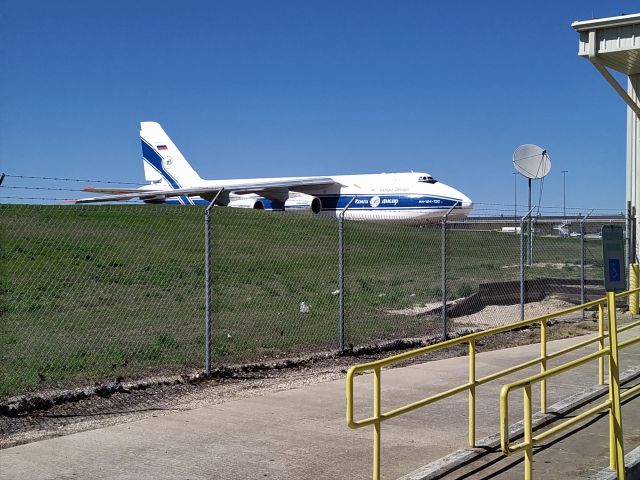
x: 94, y: 293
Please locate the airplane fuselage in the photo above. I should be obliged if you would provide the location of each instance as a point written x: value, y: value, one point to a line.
x: 385, y: 197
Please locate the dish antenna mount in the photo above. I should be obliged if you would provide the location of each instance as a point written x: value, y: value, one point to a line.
x: 532, y: 162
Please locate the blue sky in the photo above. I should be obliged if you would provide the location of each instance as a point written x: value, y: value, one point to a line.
x: 278, y: 88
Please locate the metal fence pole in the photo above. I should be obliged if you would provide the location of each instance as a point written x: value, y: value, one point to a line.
x: 443, y: 269
x: 530, y: 238
x: 582, y: 260
x: 341, y: 273
x: 523, y: 254
x: 443, y: 274
x: 628, y: 236
x: 582, y: 265
x: 634, y: 253
x: 207, y: 285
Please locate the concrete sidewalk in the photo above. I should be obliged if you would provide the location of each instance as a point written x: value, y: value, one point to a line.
x: 301, y: 433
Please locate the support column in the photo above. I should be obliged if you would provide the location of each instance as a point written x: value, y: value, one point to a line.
x: 633, y: 155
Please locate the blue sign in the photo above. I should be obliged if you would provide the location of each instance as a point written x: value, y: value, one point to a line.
x: 614, y: 269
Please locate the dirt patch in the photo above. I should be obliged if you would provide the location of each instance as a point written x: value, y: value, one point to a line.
x: 497, y: 315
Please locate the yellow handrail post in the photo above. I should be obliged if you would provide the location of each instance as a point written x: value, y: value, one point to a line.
x: 612, y: 437
x: 614, y: 388
x: 601, y: 344
x: 634, y: 278
x: 376, y: 426
x: 472, y: 393
x: 528, y: 434
x: 543, y: 365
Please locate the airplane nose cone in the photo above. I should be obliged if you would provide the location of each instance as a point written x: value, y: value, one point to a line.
x: 466, y: 204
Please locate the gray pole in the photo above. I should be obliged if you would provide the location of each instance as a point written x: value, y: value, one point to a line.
x: 443, y: 274
x: 341, y: 272
x: 628, y: 232
x: 582, y: 265
x: 522, y: 254
x: 632, y: 249
x: 530, y: 248
x: 515, y: 197
x: 207, y: 285
x: 582, y: 260
x: 522, y: 260
x: 443, y: 269
x: 564, y: 194
x: 634, y: 232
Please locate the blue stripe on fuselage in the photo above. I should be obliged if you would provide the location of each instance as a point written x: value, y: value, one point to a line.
x: 364, y: 202
x: 387, y: 202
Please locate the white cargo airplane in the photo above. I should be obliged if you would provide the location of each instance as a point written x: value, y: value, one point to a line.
x: 404, y: 197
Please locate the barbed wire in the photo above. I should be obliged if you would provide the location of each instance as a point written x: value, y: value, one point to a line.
x: 543, y: 207
x: 34, y: 198
x: 60, y: 179
x: 24, y: 187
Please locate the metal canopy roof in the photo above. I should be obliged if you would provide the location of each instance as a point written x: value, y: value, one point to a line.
x: 615, y: 41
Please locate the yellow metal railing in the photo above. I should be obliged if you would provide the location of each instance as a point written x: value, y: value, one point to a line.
x: 376, y: 368
x: 613, y: 403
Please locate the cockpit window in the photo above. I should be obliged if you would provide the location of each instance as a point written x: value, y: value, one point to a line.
x: 427, y: 179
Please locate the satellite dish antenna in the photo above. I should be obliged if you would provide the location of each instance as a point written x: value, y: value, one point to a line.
x: 532, y: 162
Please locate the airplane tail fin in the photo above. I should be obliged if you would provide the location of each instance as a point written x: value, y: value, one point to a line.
x: 162, y: 159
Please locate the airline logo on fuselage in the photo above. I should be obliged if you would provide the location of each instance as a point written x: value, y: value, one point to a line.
x: 376, y: 201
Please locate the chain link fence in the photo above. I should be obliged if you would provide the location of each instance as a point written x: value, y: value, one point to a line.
x: 96, y: 293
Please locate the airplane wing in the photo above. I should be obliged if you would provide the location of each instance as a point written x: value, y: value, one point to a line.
x: 297, y: 184
x: 112, y: 191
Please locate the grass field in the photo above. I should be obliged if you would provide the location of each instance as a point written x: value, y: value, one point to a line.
x: 93, y: 293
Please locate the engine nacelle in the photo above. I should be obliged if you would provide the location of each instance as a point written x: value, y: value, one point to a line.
x: 304, y: 204
x: 299, y: 203
x: 249, y: 202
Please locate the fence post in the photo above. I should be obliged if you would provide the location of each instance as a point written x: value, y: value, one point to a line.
x: 443, y: 274
x: 628, y: 236
x: 582, y: 260
x: 522, y: 260
x: 207, y: 285
x: 522, y: 254
x: 341, y: 273
x: 634, y: 232
x: 582, y: 265
x: 443, y: 268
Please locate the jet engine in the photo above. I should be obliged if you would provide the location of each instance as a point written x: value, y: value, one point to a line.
x: 297, y: 203
x: 303, y: 203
